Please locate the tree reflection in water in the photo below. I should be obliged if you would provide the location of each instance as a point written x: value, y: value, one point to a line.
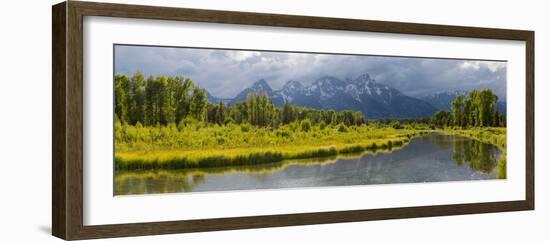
x: 478, y: 155
x: 174, y: 181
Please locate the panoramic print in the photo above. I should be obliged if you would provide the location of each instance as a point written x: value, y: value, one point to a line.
x: 201, y: 119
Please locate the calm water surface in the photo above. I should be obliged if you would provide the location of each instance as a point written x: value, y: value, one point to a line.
x: 430, y: 158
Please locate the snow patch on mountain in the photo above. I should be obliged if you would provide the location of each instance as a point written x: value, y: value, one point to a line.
x: 362, y: 93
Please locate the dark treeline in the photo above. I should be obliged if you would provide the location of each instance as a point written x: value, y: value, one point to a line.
x: 164, y: 100
x: 478, y: 109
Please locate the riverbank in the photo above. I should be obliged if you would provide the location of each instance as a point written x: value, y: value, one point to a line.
x: 269, y: 147
x: 491, y: 135
x: 259, y: 170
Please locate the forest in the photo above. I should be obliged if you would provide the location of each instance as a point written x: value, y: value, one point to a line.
x: 168, y: 122
x: 163, y: 100
x: 478, y: 109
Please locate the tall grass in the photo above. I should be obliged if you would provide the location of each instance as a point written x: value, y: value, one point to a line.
x: 196, y: 146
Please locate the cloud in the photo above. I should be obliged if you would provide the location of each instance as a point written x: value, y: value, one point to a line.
x: 476, y: 65
x: 226, y: 72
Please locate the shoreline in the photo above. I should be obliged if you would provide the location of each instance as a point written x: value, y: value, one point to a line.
x: 257, y: 156
x: 173, y: 159
x: 496, y: 137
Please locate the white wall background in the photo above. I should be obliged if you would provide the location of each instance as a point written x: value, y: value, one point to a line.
x: 25, y: 119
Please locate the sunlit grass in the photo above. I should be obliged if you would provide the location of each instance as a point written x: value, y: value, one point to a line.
x: 221, y: 146
x: 259, y: 170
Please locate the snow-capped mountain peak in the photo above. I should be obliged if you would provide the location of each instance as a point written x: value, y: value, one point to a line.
x: 364, y: 78
x: 292, y: 86
x: 325, y: 87
x: 362, y: 93
x: 261, y: 86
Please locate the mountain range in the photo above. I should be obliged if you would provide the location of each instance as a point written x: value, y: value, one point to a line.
x: 373, y: 99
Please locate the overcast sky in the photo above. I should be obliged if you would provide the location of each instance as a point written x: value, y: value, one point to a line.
x: 224, y: 73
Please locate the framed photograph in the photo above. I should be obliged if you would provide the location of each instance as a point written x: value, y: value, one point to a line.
x: 170, y: 120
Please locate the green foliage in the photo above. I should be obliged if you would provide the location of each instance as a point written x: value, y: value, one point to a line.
x: 396, y: 125
x: 442, y: 118
x: 191, y: 144
x: 164, y: 100
x: 261, y: 111
x: 245, y: 127
x: 479, y: 109
x: 501, y: 171
x: 477, y: 155
x: 490, y: 135
x: 198, y: 105
x: 342, y: 128
x: 158, y: 99
x: 306, y: 125
x: 122, y: 89
x: 457, y: 107
x: 167, y: 122
x: 322, y: 125
x: 288, y: 113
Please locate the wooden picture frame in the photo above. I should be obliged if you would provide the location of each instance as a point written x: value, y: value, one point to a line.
x: 67, y: 123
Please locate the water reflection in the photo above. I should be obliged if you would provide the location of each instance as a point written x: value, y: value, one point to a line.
x: 477, y: 155
x: 172, y: 181
x: 431, y: 158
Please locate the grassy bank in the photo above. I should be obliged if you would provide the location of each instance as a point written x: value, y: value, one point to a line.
x: 142, y: 148
x: 495, y: 136
x: 132, y: 175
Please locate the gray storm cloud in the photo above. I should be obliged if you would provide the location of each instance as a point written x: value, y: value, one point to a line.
x: 226, y: 72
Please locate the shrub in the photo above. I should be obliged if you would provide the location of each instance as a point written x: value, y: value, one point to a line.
x: 342, y: 128
x: 322, y: 125
x: 245, y: 127
x: 374, y: 146
x: 396, y: 125
x: 397, y: 143
x: 306, y: 125
x: 283, y: 133
x: 229, y: 120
